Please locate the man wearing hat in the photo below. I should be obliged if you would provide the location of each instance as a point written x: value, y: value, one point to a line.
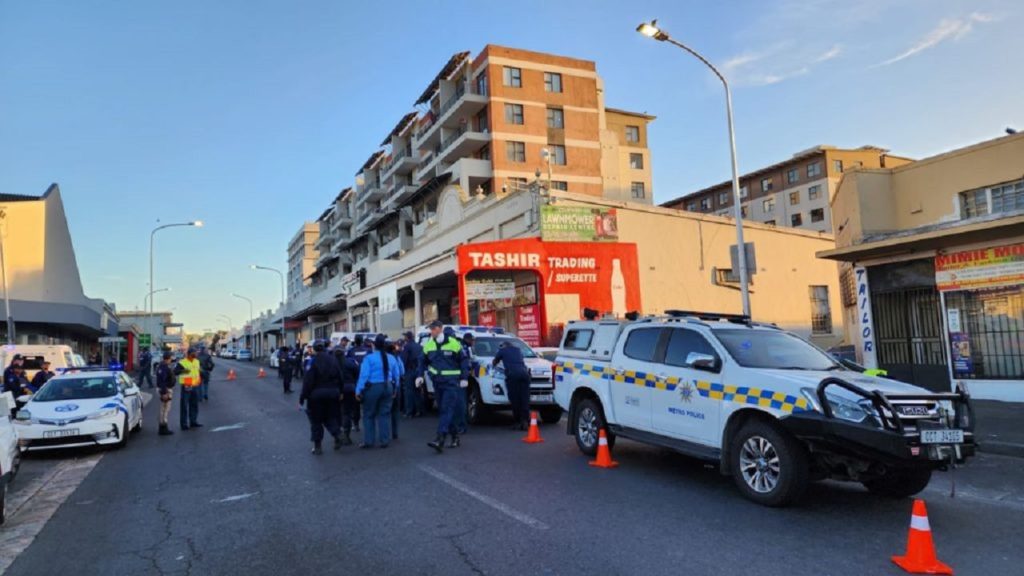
x: 165, y: 385
x: 321, y: 387
x: 14, y: 376
x: 379, y: 373
x: 41, y: 377
x: 189, y: 379
x: 412, y: 355
x: 205, y: 368
x: 445, y: 360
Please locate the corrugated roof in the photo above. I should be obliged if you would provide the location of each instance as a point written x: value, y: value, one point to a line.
x: 371, y: 161
x: 453, y: 63
x: 400, y: 127
x: 17, y: 198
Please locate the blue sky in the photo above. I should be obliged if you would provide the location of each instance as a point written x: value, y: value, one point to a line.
x: 251, y: 115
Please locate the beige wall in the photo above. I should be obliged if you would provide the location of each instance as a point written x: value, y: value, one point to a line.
x: 615, y: 167
x: 678, y: 250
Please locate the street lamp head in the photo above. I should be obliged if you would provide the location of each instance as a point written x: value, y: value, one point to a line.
x: 197, y: 223
x: 253, y: 267
x: 651, y: 30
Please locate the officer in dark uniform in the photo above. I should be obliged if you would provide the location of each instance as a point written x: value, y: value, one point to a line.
x: 446, y: 362
x: 349, y: 404
x: 357, y: 352
x: 321, y: 386
x: 285, y: 368
x: 517, y: 379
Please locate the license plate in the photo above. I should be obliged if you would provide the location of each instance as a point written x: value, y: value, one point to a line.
x: 542, y: 398
x: 942, y: 436
x: 60, y: 433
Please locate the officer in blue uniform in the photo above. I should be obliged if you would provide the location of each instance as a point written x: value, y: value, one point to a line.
x: 461, y: 424
x: 517, y: 379
x: 379, y: 374
x: 448, y: 365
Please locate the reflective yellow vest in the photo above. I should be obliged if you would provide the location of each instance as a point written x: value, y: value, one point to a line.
x: 190, y: 377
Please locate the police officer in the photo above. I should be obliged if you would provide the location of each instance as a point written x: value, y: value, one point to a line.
x: 412, y: 354
x: 349, y: 404
x: 285, y: 368
x: 517, y: 379
x: 360, y: 348
x: 190, y: 381
x: 461, y: 424
x: 146, y: 367
x: 14, y: 376
x: 41, y: 377
x: 165, y: 384
x: 379, y: 373
x: 448, y: 365
x: 205, y: 368
x: 321, y: 386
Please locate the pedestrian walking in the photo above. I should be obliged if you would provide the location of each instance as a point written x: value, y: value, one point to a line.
x: 357, y: 352
x: 145, y: 368
x: 295, y: 355
x: 396, y: 397
x: 349, y: 404
x: 461, y: 424
x: 321, y: 392
x: 285, y: 369
x: 378, y: 374
x: 206, y: 367
x: 188, y: 373
x: 448, y: 366
x: 517, y: 379
x: 42, y: 377
x: 412, y: 355
x: 165, y: 385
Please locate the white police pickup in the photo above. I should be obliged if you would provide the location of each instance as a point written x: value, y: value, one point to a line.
x: 772, y: 410
x: 488, y: 390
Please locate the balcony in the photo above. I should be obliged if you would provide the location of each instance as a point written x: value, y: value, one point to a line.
x: 460, y: 144
x: 464, y: 102
x: 402, y: 162
x: 393, y: 248
x: 324, y: 241
x: 470, y: 168
x: 371, y: 192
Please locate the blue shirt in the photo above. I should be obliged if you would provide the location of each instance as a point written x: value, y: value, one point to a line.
x: 371, y: 370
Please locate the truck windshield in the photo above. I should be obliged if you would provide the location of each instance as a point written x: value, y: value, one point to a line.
x: 488, y: 347
x: 771, y: 349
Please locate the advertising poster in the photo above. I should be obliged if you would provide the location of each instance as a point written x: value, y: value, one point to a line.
x: 578, y: 224
x: 983, y: 268
x: 528, y: 324
x: 962, y: 363
x: 488, y: 318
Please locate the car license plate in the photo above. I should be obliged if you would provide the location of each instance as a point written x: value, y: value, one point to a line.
x: 60, y: 433
x: 542, y: 398
x: 942, y: 436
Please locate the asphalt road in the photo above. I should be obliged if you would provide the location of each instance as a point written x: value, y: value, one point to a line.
x: 243, y: 495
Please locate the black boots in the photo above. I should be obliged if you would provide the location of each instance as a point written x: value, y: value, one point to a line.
x: 165, y: 430
x: 317, y: 450
x: 337, y: 442
x: 346, y: 440
x: 455, y: 441
x: 438, y: 443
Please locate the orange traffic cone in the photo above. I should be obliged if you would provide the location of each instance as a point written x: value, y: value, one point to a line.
x: 262, y: 374
x: 604, y: 455
x: 231, y: 374
x: 920, y: 557
x: 533, y: 436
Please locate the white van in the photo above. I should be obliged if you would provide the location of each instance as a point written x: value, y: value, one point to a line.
x: 59, y: 355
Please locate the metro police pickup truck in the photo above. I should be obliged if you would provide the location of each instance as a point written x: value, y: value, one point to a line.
x: 772, y: 410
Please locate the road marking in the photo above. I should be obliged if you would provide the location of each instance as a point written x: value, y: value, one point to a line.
x: 236, y: 497
x: 499, y: 506
x: 31, y: 508
x: 229, y: 427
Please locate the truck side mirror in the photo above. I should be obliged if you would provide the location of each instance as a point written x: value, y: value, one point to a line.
x: 699, y: 361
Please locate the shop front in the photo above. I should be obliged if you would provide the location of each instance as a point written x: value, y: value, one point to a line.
x: 532, y: 288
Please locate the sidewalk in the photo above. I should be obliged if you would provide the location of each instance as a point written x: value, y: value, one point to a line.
x: 1000, y: 427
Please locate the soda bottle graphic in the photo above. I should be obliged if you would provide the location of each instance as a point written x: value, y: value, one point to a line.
x: 618, y: 288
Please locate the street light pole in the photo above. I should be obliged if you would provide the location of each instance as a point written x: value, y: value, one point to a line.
x: 276, y: 271
x: 145, y: 299
x: 252, y: 323
x: 152, y: 236
x: 3, y: 265
x: 651, y: 30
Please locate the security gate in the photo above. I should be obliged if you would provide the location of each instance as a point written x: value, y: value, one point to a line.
x: 908, y: 327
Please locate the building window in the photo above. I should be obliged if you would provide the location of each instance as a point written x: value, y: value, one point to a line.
x: 691, y: 206
x: 637, y: 191
x: 813, y: 192
x: 770, y: 222
x: 1007, y: 197
x: 556, y: 118
x: 821, y: 312
x: 559, y: 185
x: 636, y: 161
x: 743, y: 211
x: 705, y: 204
x: 481, y: 83
x: 557, y: 154
x: 837, y: 165
x: 515, y: 151
x: 793, y: 175
x: 768, y: 204
x: 552, y: 82
x: 516, y: 184
x: 794, y: 198
x: 723, y: 198
x: 514, y: 113
x: 796, y: 220
x: 744, y: 191
x: 817, y: 215
x: 814, y: 170
x: 766, y: 184
x: 483, y: 154
x: 632, y: 134
x: 974, y: 203
x: 513, y: 77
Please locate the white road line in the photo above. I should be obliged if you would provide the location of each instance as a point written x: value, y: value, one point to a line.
x: 499, y: 506
x: 229, y: 427
x: 236, y: 497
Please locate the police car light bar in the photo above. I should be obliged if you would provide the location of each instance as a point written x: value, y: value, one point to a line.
x: 67, y: 369
x: 710, y: 316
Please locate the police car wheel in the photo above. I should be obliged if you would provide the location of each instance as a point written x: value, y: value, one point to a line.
x: 769, y: 467
x: 124, y: 434
x: 900, y: 483
x: 587, y: 423
x: 3, y: 502
x: 476, y: 410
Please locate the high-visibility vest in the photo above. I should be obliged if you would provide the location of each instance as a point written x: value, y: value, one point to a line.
x: 441, y: 364
x: 190, y: 377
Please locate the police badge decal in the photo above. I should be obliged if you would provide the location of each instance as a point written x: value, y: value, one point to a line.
x: 685, y: 391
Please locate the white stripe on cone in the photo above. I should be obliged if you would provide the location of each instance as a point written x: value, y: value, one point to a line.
x: 604, y: 442
x: 919, y: 523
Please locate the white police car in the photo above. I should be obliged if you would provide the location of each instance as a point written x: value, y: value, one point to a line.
x: 771, y: 409
x: 10, y: 457
x: 488, y: 390
x: 80, y: 408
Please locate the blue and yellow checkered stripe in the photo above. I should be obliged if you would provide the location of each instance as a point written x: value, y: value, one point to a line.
x: 725, y: 393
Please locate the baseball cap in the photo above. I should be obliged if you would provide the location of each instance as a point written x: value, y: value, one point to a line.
x: 436, y: 324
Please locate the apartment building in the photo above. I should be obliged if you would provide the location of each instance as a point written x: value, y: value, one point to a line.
x: 302, y: 257
x: 793, y: 193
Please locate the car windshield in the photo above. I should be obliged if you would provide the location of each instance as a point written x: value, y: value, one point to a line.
x: 488, y: 347
x: 773, y: 349
x: 79, y: 388
x: 32, y: 362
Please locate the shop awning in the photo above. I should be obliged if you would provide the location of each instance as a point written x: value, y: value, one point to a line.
x: 931, y: 238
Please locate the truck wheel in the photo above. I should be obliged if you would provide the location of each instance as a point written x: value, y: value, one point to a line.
x: 769, y: 467
x: 900, y: 483
x: 124, y: 434
x: 3, y: 502
x: 588, y: 421
x: 551, y: 414
x: 476, y: 410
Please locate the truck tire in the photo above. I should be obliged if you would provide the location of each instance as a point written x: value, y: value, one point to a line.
x: 3, y: 502
x: 900, y: 483
x: 588, y: 419
x: 476, y: 410
x: 551, y: 414
x: 768, y: 466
